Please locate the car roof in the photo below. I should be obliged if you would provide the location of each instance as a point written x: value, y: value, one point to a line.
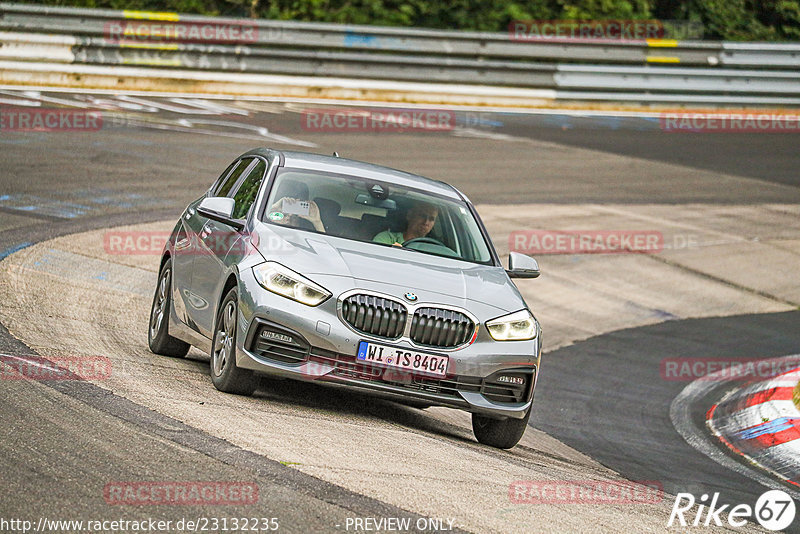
x: 335, y: 164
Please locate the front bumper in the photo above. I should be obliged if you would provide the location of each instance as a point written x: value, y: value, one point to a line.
x: 313, y: 344
x: 287, y: 353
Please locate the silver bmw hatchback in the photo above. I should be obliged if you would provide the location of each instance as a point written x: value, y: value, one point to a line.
x: 332, y: 270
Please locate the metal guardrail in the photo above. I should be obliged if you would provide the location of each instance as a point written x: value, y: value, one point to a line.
x: 321, y: 49
x: 479, y: 45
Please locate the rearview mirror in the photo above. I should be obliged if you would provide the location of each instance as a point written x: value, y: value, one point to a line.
x: 367, y: 200
x: 522, y: 266
x: 220, y: 209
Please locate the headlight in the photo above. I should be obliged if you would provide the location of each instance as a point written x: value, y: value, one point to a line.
x: 285, y: 282
x: 518, y: 326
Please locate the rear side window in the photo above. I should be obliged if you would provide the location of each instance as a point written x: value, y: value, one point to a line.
x: 226, y: 186
x: 246, y: 193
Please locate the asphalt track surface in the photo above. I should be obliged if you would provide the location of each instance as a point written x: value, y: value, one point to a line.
x: 599, y: 396
x: 771, y: 157
x: 622, y: 415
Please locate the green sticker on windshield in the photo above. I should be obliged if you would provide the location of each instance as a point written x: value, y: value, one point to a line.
x: 275, y: 216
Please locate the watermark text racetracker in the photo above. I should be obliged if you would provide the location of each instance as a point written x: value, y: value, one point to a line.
x: 33, y: 119
x: 377, y: 120
x: 149, y: 243
x: 585, y: 241
x: 56, y: 120
x: 594, y: 492
x: 21, y: 119
x: 143, y: 493
x: 723, y: 369
x: 603, y: 30
x: 32, y: 367
x: 175, y: 31
x: 730, y: 122
x: 597, y: 241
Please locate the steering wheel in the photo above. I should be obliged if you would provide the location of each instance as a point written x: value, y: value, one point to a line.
x: 429, y: 240
x: 446, y: 251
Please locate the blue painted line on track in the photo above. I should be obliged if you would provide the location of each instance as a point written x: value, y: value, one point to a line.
x: 10, y: 250
x: 769, y: 427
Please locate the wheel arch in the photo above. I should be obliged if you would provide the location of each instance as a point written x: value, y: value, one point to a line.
x: 164, y: 258
x: 230, y: 282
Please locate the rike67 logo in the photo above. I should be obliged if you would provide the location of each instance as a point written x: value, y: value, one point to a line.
x: 774, y: 510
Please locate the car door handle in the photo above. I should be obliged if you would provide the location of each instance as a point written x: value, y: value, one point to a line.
x: 206, y: 230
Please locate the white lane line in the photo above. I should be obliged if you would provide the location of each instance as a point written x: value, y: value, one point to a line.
x: 680, y: 413
x: 189, y: 128
x: 19, y: 102
x: 185, y: 107
x: 361, y: 103
x: 32, y: 362
x: 790, y: 449
x: 212, y: 107
x: 37, y: 96
x: 485, y: 134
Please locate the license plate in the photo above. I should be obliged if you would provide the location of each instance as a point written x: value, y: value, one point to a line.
x: 400, y: 358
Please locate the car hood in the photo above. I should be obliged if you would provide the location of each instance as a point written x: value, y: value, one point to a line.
x: 341, y: 264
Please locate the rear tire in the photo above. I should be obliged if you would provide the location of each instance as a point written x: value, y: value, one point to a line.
x: 500, y: 433
x: 158, y: 337
x: 225, y: 375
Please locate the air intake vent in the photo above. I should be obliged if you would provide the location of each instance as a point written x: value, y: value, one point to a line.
x: 436, y: 327
x: 376, y: 316
x: 278, y: 343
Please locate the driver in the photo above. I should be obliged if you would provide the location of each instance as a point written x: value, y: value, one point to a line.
x: 419, y: 222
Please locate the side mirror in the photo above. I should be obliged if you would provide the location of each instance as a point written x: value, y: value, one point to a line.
x: 522, y: 266
x: 220, y: 209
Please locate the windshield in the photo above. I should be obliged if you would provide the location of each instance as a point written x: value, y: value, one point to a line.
x: 376, y: 212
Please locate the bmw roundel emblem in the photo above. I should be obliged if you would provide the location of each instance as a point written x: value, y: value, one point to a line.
x: 411, y: 297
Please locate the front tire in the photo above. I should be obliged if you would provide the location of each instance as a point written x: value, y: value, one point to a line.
x: 224, y: 374
x: 500, y: 433
x: 158, y: 337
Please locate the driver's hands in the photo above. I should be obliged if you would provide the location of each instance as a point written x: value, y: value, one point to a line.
x: 278, y: 206
x: 313, y: 216
x: 313, y: 213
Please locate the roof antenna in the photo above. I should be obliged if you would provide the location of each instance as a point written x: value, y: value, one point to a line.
x: 335, y: 154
